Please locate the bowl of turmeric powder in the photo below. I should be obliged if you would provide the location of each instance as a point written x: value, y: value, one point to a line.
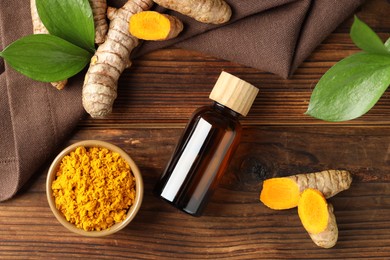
x: 94, y: 188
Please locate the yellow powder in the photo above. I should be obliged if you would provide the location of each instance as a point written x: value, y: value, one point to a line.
x: 94, y: 188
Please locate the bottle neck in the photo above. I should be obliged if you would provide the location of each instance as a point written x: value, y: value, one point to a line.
x: 225, y: 110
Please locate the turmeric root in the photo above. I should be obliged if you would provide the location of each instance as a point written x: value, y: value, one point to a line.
x: 99, y: 9
x: 205, y: 11
x: 110, y: 59
x: 283, y: 193
x: 39, y: 28
x: 317, y: 218
x: 154, y: 26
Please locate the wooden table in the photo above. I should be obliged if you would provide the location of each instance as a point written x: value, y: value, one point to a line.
x: 156, y: 97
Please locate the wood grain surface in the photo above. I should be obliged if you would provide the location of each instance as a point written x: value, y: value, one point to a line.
x: 156, y: 97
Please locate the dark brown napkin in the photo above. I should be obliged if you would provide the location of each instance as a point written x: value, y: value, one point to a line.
x: 274, y: 36
x: 270, y: 35
x: 34, y: 117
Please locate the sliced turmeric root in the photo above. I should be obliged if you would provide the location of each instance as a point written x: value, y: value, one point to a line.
x: 280, y: 193
x: 284, y: 192
x: 154, y: 26
x: 317, y: 218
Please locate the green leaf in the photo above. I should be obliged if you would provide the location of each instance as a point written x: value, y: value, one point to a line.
x: 71, y: 20
x: 366, y: 39
x: 45, y: 57
x: 351, y: 87
x: 387, y: 44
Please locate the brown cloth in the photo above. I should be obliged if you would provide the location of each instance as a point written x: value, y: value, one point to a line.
x: 271, y: 35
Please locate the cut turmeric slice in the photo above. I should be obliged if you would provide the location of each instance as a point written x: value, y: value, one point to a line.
x: 317, y: 218
x: 280, y: 193
x: 283, y: 193
x: 313, y: 211
x: 154, y: 26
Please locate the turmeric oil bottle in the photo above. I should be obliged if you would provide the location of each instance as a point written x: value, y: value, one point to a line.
x: 206, y: 146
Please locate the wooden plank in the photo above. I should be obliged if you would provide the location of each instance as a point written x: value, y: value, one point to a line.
x: 157, y: 96
x: 235, y: 224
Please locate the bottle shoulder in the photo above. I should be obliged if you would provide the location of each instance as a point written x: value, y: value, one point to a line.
x: 217, y: 117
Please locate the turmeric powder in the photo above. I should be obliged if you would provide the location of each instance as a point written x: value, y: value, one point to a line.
x: 284, y: 192
x: 94, y: 188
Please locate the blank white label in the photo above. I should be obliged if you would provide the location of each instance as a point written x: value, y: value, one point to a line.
x: 186, y: 160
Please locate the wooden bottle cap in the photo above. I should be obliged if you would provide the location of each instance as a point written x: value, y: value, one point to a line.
x: 234, y: 93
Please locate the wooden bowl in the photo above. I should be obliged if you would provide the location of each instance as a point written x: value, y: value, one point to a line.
x: 130, y: 213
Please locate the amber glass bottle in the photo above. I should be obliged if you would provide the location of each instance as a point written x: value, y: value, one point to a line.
x: 206, y: 146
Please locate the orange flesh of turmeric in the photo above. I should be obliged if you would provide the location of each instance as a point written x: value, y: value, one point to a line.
x: 280, y: 193
x: 150, y: 25
x: 313, y: 211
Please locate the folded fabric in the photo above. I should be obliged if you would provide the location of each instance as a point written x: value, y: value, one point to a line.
x: 34, y: 117
x: 271, y: 35
x: 274, y: 36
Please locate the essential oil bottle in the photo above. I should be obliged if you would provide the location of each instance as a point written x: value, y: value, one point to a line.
x: 206, y: 146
